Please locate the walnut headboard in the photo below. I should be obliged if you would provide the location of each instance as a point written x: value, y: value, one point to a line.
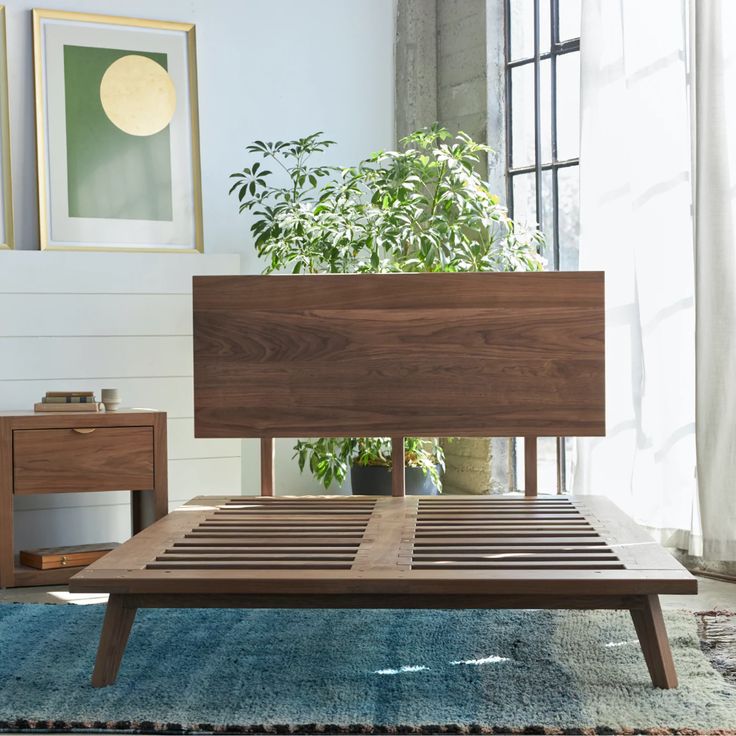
x: 474, y: 354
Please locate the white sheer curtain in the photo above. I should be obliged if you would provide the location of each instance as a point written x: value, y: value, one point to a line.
x: 636, y: 225
x: 714, y: 30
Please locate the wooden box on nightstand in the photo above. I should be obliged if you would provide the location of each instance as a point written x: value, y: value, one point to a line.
x: 75, y: 452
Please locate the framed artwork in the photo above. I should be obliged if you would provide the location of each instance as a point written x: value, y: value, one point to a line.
x: 117, y: 133
x: 6, y: 194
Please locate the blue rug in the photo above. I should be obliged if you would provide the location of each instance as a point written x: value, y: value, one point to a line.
x: 355, y: 671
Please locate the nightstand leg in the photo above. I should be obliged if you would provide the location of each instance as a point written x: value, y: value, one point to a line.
x: 160, y: 468
x: 7, y: 564
x: 146, y: 507
x: 116, y: 627
x: 142, y: 510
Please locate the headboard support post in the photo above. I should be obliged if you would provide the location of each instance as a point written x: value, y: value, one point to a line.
x: 268, y: 472
x: 398, y: 471
x: 530, y: 466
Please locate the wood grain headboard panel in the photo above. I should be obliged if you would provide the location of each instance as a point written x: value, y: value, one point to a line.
x: 481, y: 354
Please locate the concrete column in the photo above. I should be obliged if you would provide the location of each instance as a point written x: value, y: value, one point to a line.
x: 496, y: 95
x: 450, y: 69
x: 470, y: 47
x: 416, y: 65
x: 468, y: 461
x: 461, y: 66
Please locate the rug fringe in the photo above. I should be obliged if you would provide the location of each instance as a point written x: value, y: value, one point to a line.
x: 314, y: 729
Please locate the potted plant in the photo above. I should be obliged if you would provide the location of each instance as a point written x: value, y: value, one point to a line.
x: 422, y: 208
x: 368, y: 459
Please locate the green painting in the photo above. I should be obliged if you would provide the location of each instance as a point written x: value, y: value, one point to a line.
x: 118, y: 108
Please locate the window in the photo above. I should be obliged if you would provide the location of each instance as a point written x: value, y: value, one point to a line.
x: 542, y: 60
x: 543, y: 121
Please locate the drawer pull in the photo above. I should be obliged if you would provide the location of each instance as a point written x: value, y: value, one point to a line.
x: 84, y: 430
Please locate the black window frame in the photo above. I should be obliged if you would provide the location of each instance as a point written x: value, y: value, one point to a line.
x: 557, y: 48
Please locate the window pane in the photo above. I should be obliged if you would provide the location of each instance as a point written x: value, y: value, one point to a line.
x: 569, y: 213
x: 546, y: 464
x: 569, y: 19
x: 545, y: 26
x: 522, y: 115
x: 570, y: 462
x: 525, y: 203
x: 522, y: 29
x: 545, y: 95
x: 568, y: 106
x: 548, y: 221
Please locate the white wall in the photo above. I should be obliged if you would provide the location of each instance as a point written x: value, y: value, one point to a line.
x: 267, y: 69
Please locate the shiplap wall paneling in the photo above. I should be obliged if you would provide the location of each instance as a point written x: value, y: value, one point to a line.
x: 93, y: 320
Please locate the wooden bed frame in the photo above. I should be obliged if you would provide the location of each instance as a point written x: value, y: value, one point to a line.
x: 411, y: 355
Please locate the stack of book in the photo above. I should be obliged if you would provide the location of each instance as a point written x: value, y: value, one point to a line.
x: 68, y: 401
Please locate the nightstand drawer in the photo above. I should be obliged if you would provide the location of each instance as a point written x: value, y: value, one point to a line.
x: 82, y: 459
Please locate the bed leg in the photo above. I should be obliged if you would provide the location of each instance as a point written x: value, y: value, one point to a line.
x: 650, y: 629
x: 115, y: 630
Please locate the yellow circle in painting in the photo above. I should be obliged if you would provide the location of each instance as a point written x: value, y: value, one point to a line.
x: 137, y: 95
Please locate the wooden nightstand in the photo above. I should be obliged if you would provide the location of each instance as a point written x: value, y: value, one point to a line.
x: 71, y: 452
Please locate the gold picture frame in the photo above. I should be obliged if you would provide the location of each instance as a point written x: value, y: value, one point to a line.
x: 7, y: 240
x: 73, y: 224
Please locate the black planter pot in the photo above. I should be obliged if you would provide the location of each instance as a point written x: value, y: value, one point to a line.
x: 375, y: 480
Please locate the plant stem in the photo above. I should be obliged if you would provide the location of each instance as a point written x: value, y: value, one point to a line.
x: 435, y: 198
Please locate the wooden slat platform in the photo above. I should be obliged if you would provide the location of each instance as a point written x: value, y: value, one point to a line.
x: 390, y: 546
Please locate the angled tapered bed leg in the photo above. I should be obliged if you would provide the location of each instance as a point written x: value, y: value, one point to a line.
x: 115, y: 630
x: 650, y: 629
